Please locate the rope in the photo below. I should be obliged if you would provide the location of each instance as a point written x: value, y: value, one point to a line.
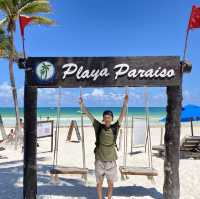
x: 82, y: 132
x: 132, y: 124
x: 148, y: 140
x: 55, y: 155
x: 125, y: 133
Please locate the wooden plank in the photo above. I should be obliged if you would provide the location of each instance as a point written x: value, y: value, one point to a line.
x: 184, y: 154
x: 104, y: 71
x: 78, y: 135
x: 71, y: 127
x: 194, y: 148
x: 160, y: 148
x: 138, y: 171
x: 190, y: 154
x: 194, y: 137
x: 69, y: 170
x: 193, y: 142
x: 188, y: 146
x: 190, y: 143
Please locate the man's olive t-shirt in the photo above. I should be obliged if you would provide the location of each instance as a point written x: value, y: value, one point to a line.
x: 105, y: 149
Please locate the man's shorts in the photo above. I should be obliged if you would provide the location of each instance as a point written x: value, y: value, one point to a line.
x: 106, y: 168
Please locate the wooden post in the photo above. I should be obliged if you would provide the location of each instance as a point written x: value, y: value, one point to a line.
x: 171, y: 187
x: 120, y: 139
x: 132, y: 131
x: 52, y: 136
x: 30, y: 142
x: 161, y: 136
x: 192, y: 128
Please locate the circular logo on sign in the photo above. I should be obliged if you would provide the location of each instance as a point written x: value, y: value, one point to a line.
x: 45, y: 71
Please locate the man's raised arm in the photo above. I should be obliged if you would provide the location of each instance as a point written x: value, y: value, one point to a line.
x: 86, y: 111
x: 123, y: 109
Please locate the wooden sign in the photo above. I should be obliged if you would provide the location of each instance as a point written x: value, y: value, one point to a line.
x: 72, y: 126
x: 45, y: 129
x: 103, y: 71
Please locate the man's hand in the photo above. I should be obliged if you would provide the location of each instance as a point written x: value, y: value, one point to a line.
x: 81, y: 101
x: 85, y: 110
x: 126, y: 99
x: 123, y: 109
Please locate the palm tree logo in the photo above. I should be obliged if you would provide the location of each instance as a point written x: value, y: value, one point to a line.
x: 45, y: 70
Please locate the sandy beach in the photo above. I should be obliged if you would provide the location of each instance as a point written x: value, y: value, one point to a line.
x: 11, y: 171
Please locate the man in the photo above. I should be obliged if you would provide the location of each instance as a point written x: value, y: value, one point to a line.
x: 105, y: 150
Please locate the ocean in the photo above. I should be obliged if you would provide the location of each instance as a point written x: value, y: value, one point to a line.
x: 73, y: 113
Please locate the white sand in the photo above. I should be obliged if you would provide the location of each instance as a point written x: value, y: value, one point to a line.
x: 73, y: 187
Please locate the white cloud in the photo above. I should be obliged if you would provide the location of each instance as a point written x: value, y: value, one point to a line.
x: 50, y: 97
x: 5, y: 90
x: 6, y: 98
x: 98, y: 93
x: 111, y: 97
x: 159, y: 96
x: 186, y: 93
x: 93, y: 97
x: 100, y: 97
x: 134, y: 95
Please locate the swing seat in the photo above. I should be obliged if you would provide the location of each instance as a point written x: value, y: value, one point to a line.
x: 145, y: 171
x: 69, y: 170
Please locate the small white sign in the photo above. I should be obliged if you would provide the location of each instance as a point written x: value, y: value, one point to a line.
x: 44, y: 129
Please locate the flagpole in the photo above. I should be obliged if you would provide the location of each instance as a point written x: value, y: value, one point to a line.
x: 186, y: 44
x: 23, y: 43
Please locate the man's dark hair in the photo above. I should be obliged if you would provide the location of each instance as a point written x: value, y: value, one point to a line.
x: 107, y: 112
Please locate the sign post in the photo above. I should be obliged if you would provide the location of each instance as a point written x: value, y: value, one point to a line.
x: 54, y: 72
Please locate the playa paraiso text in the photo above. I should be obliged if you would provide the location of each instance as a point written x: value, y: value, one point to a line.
x: 120, y: 70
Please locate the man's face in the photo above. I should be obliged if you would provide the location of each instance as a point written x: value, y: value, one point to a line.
x: 107, y: 119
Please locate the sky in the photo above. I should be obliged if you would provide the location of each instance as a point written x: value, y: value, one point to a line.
x: 110, y: 28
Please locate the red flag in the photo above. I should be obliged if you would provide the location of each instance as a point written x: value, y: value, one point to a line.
x: 194, y: 18
x: 24, y: 21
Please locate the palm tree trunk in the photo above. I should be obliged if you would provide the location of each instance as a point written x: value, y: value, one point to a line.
x: 13, y: 85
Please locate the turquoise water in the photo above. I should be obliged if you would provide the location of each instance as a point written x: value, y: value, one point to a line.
x: 69, y: 113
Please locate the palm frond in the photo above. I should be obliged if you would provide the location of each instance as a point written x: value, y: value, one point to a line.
x: 4, y: 44
x: 42, y: 20
x: 36, y: 6
x: 15, y: 2
x: 2, y: 5
x: 6, y: 6
x: 3, y: 22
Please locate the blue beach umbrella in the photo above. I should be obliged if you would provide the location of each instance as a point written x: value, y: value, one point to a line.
x: 189, y: 113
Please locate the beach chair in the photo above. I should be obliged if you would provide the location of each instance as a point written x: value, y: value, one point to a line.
x: 189, y: 147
